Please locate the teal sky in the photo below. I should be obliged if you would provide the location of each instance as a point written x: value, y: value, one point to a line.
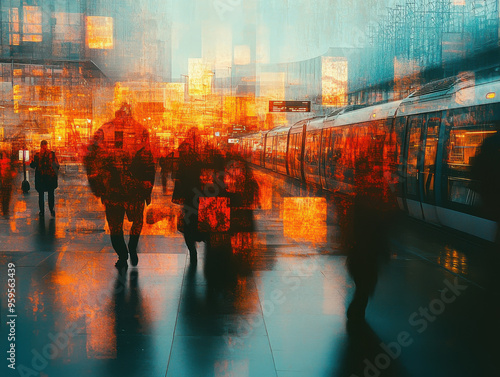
x: 282, y: 30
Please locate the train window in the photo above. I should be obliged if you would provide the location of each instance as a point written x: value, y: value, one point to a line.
x: 328, y: 162
x: 269, y: 149
x: 294, y: 152
x: 414, y: 154
x: 274, y: 150
x: 466, y: 130
x: 342, y: 154
x: 312, y: 148
x: 431, y: 145
x: 281, y: 149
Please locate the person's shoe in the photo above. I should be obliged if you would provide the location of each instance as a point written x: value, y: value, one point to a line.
x: 121, y: 264
x: 53, y: 213
x: 134, y: 259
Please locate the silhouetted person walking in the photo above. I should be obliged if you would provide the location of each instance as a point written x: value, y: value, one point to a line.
x: 46, y: 168
x: 121, y: 171
x: 370, y: 214
x: 187, y: 190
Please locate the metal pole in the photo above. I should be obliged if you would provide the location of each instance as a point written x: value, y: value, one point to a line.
x: 25, y: 185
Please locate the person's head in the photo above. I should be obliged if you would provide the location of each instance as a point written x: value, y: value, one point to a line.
x: 44, y: 145
x: 193, y: 137
x: 124, y: 110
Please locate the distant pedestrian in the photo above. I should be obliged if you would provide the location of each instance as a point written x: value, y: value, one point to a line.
x: 46, y: 169
x: 7, y: 174
x: 121, y: 171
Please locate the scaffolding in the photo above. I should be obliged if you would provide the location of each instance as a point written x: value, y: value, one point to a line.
x: 427, y: 35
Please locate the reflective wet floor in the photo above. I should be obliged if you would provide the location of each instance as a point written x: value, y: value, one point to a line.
x: 279, y: 309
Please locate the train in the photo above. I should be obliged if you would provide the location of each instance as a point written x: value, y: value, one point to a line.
x: 424, y: 145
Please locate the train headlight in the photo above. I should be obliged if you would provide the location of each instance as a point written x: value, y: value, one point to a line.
x: 491, y: 95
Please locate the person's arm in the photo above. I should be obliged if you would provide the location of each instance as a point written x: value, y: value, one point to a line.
x: 56, y: 162
x: 34, y: 163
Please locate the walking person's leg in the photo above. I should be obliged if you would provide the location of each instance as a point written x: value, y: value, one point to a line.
x: 50, y: 195
x: 136, y: 214
x: 41, y: 203
x: 115, y: 215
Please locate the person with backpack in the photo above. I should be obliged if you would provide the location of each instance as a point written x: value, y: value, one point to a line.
x: 46, y: 168
x: 121, y: 172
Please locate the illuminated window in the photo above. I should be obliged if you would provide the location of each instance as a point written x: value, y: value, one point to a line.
x: 14, y: 26
x: 32, y: 24
x: 100, y: 32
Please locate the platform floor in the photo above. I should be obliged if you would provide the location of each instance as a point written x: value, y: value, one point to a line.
x: 435, y: 311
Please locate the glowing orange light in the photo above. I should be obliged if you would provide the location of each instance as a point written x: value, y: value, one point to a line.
x: 100, y: 32
x: 310, y: 226
x: 491, y: 95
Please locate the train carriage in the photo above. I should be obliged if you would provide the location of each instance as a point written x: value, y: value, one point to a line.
x: 441, y: 127
x: 276, y: 148
x: 421, y: 148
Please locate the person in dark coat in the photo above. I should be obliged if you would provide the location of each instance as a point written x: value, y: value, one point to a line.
x: 121, y: 171
x: 46, y: 168
x: 7, y: 174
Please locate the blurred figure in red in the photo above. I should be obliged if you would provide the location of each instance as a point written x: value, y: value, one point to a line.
x: 121, y: 171
x: 46, y: 168
x: 7, y: 174
x: 371, y: 213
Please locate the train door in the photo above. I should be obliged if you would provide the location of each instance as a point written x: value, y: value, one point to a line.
x: 325, y: 156
x: 268, y: 152
x: 414, y: 159
x: 311, y: 156
x: 274, y: 152
x: 428, y: 171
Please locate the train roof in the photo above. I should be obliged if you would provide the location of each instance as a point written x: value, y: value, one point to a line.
x: 464, y: 90
x: 298, y: 126
x: 366, y: 114
x: 253, y: 135
x: 315, y: 124
x: 334, y: 114
x: 279, y: 130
